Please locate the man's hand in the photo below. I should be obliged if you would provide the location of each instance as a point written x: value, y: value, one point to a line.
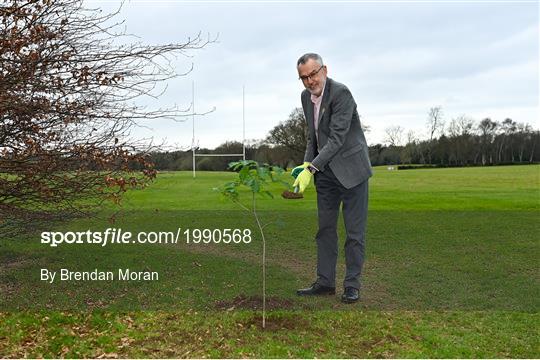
x: 303, y: 180
x: 297, y: 170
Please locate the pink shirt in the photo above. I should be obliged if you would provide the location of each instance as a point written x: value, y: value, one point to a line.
x: 317, y: 100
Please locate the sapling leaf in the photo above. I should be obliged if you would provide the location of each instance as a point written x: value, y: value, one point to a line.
x: 262, y: 172
x: 235, y: 165
x: 243, y: 174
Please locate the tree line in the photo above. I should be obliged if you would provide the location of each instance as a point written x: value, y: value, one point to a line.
x: 463, y: 142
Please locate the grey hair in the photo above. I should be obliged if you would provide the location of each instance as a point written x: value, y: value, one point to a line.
x: 304, y: 59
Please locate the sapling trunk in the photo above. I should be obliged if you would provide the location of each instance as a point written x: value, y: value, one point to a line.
x: 263, y: 263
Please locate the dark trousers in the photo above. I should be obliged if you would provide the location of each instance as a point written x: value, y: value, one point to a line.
x: 330, y: 195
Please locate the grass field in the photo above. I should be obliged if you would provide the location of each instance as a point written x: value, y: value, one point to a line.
x: 452, y: 270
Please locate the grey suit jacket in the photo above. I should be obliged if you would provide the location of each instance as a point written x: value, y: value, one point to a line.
x: 341, y: 142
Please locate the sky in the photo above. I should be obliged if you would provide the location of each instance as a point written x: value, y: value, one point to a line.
x: 399, y: 59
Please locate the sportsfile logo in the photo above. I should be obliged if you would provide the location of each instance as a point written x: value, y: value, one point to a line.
x: 109, y: 236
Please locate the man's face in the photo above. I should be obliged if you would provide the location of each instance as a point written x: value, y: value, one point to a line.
x: 313, y: 76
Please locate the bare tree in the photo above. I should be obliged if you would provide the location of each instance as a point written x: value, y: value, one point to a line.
x: 394, y: 135
x: 487, y: 129
x: 435, y: 124
x: 524, y: 135
x: 507, y: 129
x: 460, y: 132
x: 410, y: 149
x: 69, y: 81
x: 411, y: 137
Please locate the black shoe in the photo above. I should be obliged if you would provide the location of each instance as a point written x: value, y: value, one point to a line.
x: 350, y: 295
x: 316, y: 289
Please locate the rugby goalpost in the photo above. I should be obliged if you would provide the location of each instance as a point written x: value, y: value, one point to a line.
x: 194, y: 146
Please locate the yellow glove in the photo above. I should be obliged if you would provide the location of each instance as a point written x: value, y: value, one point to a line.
x: 297, y: 170
x: 303, y: 180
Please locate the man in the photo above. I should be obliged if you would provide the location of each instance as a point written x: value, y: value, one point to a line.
x: 337, y: 157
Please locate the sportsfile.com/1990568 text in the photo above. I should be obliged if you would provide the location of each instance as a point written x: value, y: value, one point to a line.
x: 119, y: 236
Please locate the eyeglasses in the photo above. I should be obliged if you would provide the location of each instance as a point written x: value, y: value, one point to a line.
x: 310, y: 76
